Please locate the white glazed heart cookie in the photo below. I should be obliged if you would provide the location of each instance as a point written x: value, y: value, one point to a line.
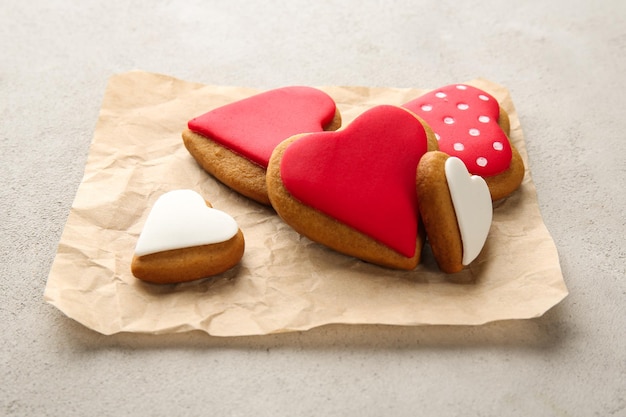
x: 456, y: 210
x: 185, y: 239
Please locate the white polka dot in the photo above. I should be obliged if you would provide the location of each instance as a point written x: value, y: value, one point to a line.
x: 458, y: 146
x: 437, y: 136
x: 440, y: 94
x: 427, y: 107
x: 461, y: 87
x: 448, y: 120
x: 483, y: 97
x: 483, y: 119
x: 474, y: 132
x: 481, y: 161
x: 498, y: 146
x: 462, y: 106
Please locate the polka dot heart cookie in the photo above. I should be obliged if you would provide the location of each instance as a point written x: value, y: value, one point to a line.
x: 470, y: 125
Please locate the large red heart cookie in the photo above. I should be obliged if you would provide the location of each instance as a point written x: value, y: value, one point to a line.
x: 354, y: 190
x: 253, y: 127
x: 470, y: 124
x: 234, y: 142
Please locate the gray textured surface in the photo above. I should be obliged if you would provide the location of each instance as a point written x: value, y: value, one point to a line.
x: 565, y: 65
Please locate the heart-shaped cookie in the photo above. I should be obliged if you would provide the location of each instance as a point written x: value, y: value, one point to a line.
x: 184, y: 238
x: 354, y: 190
x: 456, y: 210
x: 472, y: 206
x: 234, y: 142
x: 182, y: 219
x: 470, y: 124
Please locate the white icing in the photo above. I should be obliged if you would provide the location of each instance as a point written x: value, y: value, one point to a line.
x: 461, y: 87
x: 440, y: 94
x: 427, y: 107
x: 498, y: 146
x: 448, y: 120
x: 437, y: 136
x: 483, y: 97
x: 458, y: 146
x: 472, y: 204
x: 474, y: 132
x: 481, y: 161
x: 181, y: 219
x: 483, y: 119
x: 462, y: 106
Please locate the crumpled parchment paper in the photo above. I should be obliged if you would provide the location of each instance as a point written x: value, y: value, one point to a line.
x: 284, y: 282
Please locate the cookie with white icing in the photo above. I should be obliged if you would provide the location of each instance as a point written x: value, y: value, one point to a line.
x: 184, y: 239
x: 234, y: 142
x: 456, y: 210
x: 470, y: 124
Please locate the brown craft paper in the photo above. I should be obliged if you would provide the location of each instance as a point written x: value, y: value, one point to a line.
x: 284, y: 282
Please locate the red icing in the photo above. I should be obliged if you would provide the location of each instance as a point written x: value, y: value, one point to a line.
x: 363, y: 175
x: 254, y: 126
x: 474, y: 136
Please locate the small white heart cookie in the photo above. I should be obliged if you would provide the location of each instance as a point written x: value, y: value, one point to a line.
x: 455, y: 208
x: 181, y: 219
x: 185, y: 239
x: 472, y: 206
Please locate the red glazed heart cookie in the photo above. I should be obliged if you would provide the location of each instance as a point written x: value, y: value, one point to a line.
x: 234, y: 142
x: 185, y: 239
x: 470, y: 124
x: 354, y: 190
